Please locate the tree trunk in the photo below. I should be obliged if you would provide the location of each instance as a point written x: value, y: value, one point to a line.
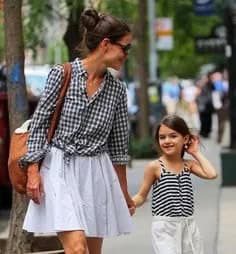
x: 18, y: 242
x: 143, y: 70
x: 72, y: 35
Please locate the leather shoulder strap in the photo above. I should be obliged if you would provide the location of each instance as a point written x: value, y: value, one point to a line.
x: 60, y: 101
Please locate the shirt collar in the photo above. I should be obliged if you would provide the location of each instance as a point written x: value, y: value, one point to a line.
x: 79, y: 67
x: 81, y: 71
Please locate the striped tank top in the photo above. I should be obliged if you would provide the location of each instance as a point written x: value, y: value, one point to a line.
x: 172, y: 194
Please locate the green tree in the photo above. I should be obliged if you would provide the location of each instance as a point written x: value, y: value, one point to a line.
x: 183, y: 59
x: 125, y: 9
x: 38, y: 11
x: 35, y: 12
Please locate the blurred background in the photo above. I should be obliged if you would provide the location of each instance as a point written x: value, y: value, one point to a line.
x: 182, y: 61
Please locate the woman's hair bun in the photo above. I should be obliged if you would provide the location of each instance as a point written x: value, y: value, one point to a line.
x: 89, y: 19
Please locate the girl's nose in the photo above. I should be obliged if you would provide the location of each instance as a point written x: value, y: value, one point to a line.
x: 167, y: 140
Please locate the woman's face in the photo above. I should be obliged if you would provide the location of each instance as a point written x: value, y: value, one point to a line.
x: 118, y: 51
x: 171, y: 142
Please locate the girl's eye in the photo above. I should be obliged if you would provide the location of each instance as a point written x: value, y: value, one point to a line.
x: 161, y: 137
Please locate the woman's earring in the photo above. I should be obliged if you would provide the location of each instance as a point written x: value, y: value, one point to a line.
x: 186, y: 146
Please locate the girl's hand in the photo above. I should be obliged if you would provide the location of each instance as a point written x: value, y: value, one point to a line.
x: 34, y: 188
x: 192, y: 146
x: 130, y: 204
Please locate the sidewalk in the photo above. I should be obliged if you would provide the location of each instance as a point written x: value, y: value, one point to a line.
x: 215, y: 212
x: 227, y: 221
x: 226, y: 240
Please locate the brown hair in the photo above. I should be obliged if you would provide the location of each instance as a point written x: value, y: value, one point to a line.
x: 175, y: 123
x: 95, y: 27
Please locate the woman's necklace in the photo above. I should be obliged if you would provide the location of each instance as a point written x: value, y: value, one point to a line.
x: 93, y: 86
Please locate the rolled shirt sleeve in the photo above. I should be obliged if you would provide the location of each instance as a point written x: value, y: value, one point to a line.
x: 118, y: 140
x: 37, y: 142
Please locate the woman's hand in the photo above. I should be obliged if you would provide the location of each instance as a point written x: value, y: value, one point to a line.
x: 130, y: 204
x: 34, y: 188
x: 121, y: 173
x: 192, y: 146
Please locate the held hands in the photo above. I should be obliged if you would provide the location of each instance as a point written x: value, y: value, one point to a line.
x: 34, y: 188
x: 129, y: 202
x: 121, y: 173
x: 131, y: 205
x: 192, y: 146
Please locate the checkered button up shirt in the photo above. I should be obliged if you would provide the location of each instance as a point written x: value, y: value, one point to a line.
x: 88, y: 126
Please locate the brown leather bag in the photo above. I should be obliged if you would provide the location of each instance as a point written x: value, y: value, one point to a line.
x: 18, y: 145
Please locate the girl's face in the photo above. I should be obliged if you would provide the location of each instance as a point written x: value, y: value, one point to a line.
x: 171, y: 142
x: 118, y: 51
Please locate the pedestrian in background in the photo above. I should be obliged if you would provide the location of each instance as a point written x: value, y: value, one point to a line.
x: 220, y: 100
x: 81, y: 190
x: 171, y: 93
x: 174, y: 229
x: 189, y: 104
x: 205, y: 105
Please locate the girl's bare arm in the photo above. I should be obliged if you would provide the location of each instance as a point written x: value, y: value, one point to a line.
x: 150, y: 175
x: 202, y: 167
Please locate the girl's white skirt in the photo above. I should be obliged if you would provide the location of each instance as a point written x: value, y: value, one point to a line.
x: 176, y: 235
x: 82, y: 195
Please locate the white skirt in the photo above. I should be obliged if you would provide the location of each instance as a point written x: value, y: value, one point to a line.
x: 176, y: 235
x: 82, y: 195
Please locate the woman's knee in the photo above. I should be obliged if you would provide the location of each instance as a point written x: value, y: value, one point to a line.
x: 94, y: 245
x: 77, y: 248
x: 73, y: 242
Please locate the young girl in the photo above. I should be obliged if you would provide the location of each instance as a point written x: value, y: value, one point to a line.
x: 174, y: 230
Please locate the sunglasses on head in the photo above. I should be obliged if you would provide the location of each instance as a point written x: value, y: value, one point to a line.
x: 125, y: 48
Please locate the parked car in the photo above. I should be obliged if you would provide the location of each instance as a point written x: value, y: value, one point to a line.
x: 35, y: 77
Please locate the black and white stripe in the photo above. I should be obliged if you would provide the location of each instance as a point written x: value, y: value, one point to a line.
x: 172, y: 195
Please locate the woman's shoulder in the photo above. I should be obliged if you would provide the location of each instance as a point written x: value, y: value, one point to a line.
x: 54, y: 78
x: 56, y: 71
x: 115, y: 81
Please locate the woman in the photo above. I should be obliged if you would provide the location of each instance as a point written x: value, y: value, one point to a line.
x: 83, y: 170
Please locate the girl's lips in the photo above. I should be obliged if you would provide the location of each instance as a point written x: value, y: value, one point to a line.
x: 168, y: 146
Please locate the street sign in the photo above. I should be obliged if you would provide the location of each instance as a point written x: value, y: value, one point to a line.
x: 203, y: 7
x: 214, y: 43
x: 164, y: 33
x: 210, y: 44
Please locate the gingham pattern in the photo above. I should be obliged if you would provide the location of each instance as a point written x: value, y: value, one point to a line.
x: 87, y: 126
